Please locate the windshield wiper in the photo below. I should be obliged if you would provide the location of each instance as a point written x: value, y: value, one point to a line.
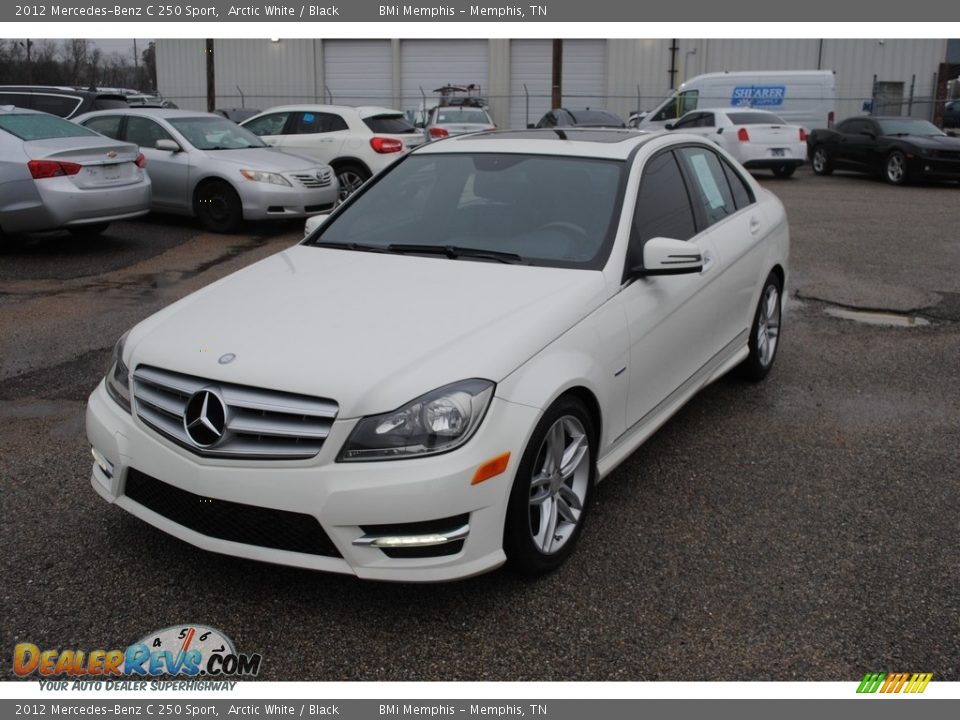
x: 455, y: 251
x: 359, y: 247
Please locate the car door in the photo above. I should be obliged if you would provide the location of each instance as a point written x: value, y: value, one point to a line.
x: 737, y: 227
x: 169, y: 171
x: 317, y: 135
x: 854, y: 145
x: 671, y: 319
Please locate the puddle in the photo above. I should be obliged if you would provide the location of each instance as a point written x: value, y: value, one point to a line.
x: 877, y: 318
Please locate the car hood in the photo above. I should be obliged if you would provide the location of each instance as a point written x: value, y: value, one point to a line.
x: 370, y: 331
x: 269, y: 159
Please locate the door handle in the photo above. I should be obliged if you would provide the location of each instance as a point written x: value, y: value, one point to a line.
x: 754, y: 225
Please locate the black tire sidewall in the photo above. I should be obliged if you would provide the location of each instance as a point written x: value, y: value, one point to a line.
x: 752, y: 368
x: 522, y: 555
x: 235, y: 214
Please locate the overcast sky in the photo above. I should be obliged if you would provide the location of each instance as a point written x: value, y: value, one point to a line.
x: 121, y: 45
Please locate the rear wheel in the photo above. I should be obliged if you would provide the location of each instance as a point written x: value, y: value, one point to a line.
x: 820, y: 161
x: 551, y: 489
x: 784, y: 171
x: 765, y: 331
x: 350, y: 177
x: 895, y: 169
x: 89, y: 231
x: 218, y: 207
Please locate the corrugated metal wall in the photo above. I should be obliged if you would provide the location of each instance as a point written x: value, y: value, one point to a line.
x: 636, y: 70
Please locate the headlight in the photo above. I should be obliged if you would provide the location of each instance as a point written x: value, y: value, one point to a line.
x: 267, y: 177
x: 118, y: 376
x: 433, y: 423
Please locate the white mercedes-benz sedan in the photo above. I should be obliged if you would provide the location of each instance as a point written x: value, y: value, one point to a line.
x: 431, y: 383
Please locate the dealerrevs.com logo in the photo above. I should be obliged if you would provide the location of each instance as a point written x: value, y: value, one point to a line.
x: 887, y: 683
x: 179, y: 650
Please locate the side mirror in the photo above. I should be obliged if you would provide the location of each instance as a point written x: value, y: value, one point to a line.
x: 669, y: 126
x: 666, y: 256
x: 313, y: 222
x: 168, y: 145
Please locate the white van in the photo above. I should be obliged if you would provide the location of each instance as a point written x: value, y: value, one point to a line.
x: 801, y: 97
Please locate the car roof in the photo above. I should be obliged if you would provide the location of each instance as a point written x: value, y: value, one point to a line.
x: 364, y: 111
x: 611, y: 143
x: 164, y: 113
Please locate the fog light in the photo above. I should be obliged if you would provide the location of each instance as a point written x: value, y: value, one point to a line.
x: 406, y: 541
x: 106, y: 467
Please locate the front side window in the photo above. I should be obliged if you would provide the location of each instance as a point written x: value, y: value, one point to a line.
x: 145, y: 132
x: 271, y: 124
x: 710, y: 187
x: 534, y: 209
x: 663, y: 207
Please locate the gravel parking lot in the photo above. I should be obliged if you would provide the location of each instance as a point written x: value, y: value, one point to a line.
x: 806, y: 528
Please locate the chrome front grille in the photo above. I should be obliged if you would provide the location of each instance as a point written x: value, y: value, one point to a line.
x: 321, y: 178
x: 258, y: 424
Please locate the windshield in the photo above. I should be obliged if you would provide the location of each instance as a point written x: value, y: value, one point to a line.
x: 215, y: 133
x: 36, y: 126
x: 461, y: 115
x: 535, y: 209
x: 908, y: 126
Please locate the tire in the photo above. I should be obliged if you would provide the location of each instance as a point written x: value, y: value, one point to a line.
x: 784, y: 171
x: 218, y: 207
x: 350, y: 177
x: 89, y: 231
x: 543, y: 497
x: 895, y: 169
x: 765, y: 331
x: 820, y: 161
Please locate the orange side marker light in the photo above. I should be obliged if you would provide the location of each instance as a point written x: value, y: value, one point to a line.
x: 491, y: 468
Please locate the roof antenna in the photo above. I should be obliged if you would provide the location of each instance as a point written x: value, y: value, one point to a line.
x: 560, y: 133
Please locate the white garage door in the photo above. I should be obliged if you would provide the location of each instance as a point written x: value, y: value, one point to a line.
x: 584, y: 80
x: 358, y: 72
x: 531, y: 63
x: 430, y: 64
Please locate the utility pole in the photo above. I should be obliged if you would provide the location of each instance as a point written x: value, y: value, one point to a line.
x: 29, y: 44
x: 211, y: 87
x: 136, y: 65
x: 556, y: 94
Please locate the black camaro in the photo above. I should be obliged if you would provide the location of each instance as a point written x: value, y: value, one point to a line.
x: 898, y: 148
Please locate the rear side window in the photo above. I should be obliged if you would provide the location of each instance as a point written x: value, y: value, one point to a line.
x: 308, y: 123
x: 710, y: 187
x: 109, y: 103
x: 20, y: 100
x: 395, y: 124
x: 41, y: 127
x: 663, y: 206
x: 61, y: 105
x: 109, y: 126
x: 742, y: 194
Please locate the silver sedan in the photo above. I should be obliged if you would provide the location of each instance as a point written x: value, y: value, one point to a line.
x: 204, y: 165
x: 54, y: 174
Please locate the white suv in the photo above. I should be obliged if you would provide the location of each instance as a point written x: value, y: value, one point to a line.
x: 358, y: 142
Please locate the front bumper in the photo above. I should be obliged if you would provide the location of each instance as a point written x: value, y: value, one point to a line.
x: 350, y: 501
x: 935, y: 167
x: 264, y: 201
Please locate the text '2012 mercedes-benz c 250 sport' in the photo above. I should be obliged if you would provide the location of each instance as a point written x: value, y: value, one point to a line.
x: 430, y: 384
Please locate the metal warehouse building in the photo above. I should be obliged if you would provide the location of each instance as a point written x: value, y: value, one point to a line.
x: 618, y: 74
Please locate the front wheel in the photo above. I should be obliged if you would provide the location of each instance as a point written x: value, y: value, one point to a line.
x: 820, y: 161
x: 765, y: 331
x: 895, y: 169
x: 551, y: 488
x: 218, y: 207
x: 784, y: 171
